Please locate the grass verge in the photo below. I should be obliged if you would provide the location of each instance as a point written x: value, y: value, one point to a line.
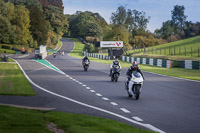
x: 78, y: 48
x: 17, y: 120
x: 13, y: 82
x: 175, y: 72
x: 9, y: 60
x: 55, y: 50
x: 187, y: 49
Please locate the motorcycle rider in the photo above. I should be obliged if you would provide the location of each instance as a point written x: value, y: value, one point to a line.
x: 84, y: 59
x: 114, y: 63
x: 62, y: 53
x: 133, y: 68
x: 54, y: 54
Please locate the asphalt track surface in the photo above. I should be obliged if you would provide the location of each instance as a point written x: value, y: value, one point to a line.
x: 169, y: 104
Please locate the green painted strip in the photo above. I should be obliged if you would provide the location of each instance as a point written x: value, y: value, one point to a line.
x: 18, y: 52
x: 47, y: 64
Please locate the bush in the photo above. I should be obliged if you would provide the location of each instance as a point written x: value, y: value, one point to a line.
x: 6, y: 46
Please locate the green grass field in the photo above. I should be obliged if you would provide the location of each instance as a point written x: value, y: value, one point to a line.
x: 175, y: 72
x: 177, y: 50
x: 17, y: 120
x: 13, y: 82
x: 8, y: 51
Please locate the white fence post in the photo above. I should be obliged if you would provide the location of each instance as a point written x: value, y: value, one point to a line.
x: 159, y: 62
x: 151, y: 61
x: 188, y: 64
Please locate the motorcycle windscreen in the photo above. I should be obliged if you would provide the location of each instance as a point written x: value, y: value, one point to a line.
x: 116, y: 67
x: 137, y: 74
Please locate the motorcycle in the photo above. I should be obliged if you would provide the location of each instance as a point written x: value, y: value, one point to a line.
x: 86, y: 65
x: 135, y: 85
x: 54, y: 55
x: 115, y: 73
x: 63, y: 53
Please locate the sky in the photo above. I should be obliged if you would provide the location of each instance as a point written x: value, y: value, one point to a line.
x: 158, y: 10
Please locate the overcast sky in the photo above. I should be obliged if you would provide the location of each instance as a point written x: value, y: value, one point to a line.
x: 158, y: 10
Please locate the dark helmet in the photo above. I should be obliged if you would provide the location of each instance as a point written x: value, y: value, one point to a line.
x: 134, y: 65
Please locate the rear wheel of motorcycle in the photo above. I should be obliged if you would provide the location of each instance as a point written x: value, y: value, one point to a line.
x: 85, y: 68
x: 137, y: 92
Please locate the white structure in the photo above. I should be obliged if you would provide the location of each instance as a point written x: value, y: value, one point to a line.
x: 41, y: 53
x: 111, y: 44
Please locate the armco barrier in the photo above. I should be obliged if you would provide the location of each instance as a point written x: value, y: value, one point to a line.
x: 187, y: 64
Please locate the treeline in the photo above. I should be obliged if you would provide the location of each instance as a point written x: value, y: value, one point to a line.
x: 28, y: 24
x: 130, y: 26
x: 178, y: 27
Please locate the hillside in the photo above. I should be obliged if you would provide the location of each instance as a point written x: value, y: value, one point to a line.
x: 186, y: 49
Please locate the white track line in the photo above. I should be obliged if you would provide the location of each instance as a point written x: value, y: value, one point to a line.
x: 90, y: 106
x: 88, y: 88
x: 137, y: 118
x: 104, y: 98
x: 92, y: 90
x: 98, y: 94
x: 113, y: 103
x: 125, y: 110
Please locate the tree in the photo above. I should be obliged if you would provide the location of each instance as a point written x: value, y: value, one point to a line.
x: 166, y: 30
x: 119, y: 17
x: 93, y: 29
x: 7, y: 15
x: 118, y: 33
x: 133, y: 20
x: 140, y: 23
x: 25, y: 2
x: 22, y: 25
x: 39, y: 25
x: 129, y: 23
x: 79, y: 22
x: 6, y: 32
x: 191, y: 29
x: 56, y: 18
x: 178, y: 16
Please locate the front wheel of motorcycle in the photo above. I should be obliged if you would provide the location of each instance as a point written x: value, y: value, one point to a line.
x: 85, y: 68
x: 112, y: 79
x: 137, y: 92
x: 116, y: 79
